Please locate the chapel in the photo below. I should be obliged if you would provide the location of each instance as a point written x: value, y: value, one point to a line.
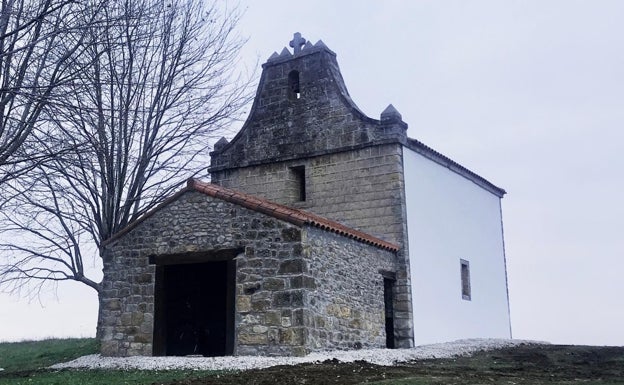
x: 320, y: 228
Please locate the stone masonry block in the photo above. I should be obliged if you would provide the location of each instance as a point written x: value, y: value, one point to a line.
x: 292, y: 266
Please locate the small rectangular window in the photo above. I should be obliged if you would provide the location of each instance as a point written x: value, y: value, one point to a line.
x: 300, y: 182
x: 465, y: 279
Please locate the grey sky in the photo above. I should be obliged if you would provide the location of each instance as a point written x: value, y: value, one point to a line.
x: 528, y: 94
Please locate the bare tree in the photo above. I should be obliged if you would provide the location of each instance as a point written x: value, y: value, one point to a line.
x: 38, y: 41
x: 156, y: 85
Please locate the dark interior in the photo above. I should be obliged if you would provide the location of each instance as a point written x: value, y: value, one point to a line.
x: 193, y: 309
x: 388, y: 302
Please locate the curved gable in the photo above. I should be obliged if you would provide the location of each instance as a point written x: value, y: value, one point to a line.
x: 302, y: 108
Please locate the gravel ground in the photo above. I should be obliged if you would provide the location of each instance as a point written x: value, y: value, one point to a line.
x: 375, y: 356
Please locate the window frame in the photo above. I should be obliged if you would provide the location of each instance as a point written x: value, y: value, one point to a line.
x: 466, y: 288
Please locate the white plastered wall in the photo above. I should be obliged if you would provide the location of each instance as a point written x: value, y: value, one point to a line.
x: 451, y: 218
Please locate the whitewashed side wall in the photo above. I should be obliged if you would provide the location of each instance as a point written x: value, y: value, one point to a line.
x: 451, y: 218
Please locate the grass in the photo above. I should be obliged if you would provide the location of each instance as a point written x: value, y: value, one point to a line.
x: 100, y: 377
x: 24, y: 363
x: 32, y: 355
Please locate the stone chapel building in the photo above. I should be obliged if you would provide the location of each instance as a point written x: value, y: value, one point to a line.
x: 321, y: 228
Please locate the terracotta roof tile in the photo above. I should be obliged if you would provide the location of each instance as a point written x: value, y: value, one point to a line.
x: 285, y: 213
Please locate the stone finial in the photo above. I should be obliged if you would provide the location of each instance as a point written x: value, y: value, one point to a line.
x: 320, y: 44
x: 274, y: 56
x: 285, y: 53
x: 220, y: 144
x: 297, y: 42
x: 391, y: 113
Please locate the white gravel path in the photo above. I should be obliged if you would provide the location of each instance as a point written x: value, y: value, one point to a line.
x: 375, y: 356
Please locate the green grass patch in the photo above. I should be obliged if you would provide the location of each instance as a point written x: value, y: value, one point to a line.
x: 24, y: 363
x: 100, y: 377
x: 32, y: 355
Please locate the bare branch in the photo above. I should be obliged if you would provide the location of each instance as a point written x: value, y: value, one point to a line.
x: 147, y: 87
x: 38, y: 40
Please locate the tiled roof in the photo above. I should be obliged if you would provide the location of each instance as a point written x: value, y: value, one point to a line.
x: 285, y: 213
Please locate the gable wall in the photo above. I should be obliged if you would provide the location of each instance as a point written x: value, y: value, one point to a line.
x: 269, y: 293
x: 324, y: 119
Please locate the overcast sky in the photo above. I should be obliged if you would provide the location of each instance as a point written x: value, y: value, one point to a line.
x: 528, y: 94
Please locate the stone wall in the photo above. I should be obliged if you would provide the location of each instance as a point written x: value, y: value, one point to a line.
x: 361, y: 188
x: 269, y: 298
x: 324, y: 119
x: 353, y: 163
x: 346, y: 309
x: 296, y: 290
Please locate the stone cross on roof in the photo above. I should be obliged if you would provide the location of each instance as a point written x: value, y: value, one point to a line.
x: 297, y: 42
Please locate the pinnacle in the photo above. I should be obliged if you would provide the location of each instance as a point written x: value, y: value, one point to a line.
x: 274, y: 56
x: 390, y: 113
x: 220, y: 143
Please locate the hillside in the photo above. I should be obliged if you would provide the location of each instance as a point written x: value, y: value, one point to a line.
x: 522, y: 364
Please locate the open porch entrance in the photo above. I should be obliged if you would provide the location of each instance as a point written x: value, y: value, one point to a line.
x: 194, y: 305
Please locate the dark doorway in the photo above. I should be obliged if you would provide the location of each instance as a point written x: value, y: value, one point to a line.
x: 388, y: 305
x: 194, y: 309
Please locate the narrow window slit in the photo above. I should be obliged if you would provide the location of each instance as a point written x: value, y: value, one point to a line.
x: 294, y: 88
x: 299, y: 176
x: 389, y: 311
x: 465, y: 280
